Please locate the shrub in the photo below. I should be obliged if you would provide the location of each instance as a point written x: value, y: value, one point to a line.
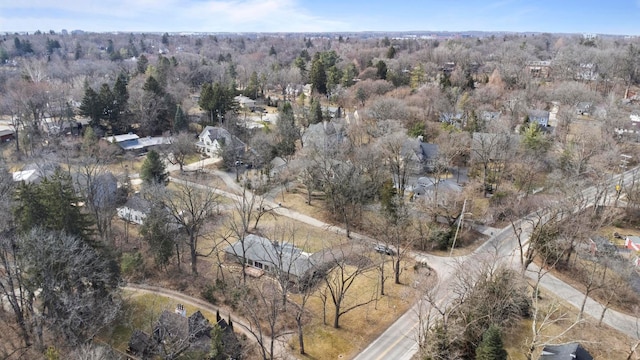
x: 131, y: 264
x: 209, y: 294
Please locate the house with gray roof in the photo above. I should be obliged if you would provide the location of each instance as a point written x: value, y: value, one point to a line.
x: 213, y: 138
x: 584, y: 108
x: 540, y: 117
x: 569, y: 351
x: 325, y: 135
x: 270, y: 256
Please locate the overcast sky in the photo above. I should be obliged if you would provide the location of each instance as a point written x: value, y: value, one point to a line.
x: 587, y: 16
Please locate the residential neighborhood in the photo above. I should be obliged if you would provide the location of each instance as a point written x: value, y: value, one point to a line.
x: 318, y: 194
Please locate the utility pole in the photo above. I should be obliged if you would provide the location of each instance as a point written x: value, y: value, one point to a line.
x: 624, y: 161
x: 460, y: 220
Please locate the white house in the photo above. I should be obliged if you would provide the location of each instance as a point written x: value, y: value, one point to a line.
x: 135, y: 210
x: 213, y: 138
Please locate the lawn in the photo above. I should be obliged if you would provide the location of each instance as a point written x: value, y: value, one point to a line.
x: 362, y: 325
x: 602, y: 342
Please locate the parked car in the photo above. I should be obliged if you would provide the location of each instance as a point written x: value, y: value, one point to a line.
x: 383, y: 249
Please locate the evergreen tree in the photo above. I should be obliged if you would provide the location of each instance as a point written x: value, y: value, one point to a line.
x: 391, y: 53
x: 318, y: 75
x: 153, y: 170
x: 157, y: 231
x: 491, y: 347
x: 180, y: 120
x: 90, y: 106
x: 288, y: 133
x: 52, y: 205
x: 349, y: 75
x: 272, y: 51
x: 141, y: 64
x: 301, y: 64
x: 253, y: 86
x: 106, y: 101
x: 119, y: 124
x: 316, y: 111
x: 381, y: 72
x: 217, y: 101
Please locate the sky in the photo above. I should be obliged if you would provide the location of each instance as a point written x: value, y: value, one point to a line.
x: 618, y: 17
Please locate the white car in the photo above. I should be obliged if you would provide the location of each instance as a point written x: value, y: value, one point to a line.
x: 383, y: 249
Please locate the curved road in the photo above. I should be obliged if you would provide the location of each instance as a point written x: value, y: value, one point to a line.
x: 398, y: 342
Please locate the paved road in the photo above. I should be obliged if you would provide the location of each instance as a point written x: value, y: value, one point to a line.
x: 399, y: 341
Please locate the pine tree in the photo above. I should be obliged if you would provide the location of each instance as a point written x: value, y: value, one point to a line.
x: 288, y: 133
x: 381, y: 72
x: 180, y: 120
x: 153, y: 170
x: 118, y: 123
x: 316, y: 112
x: 90, y: 106
x: 142, y: 64
x: 158, y: 233
x: 318, y: 75
x: 52, y: 205
x: 491, y: 347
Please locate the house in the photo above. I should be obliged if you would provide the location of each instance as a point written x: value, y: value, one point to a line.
x: 325, y: 135
x: 213, y: 138
x: 427, y: 155
x: 135, y: 210
x: 540, y: 117
x: 7, y: 135
x: 569, y: 351
x: 174, y: 331
x: 539, y: 69
x: 587, y: 72
x: 584, y: 108
x: 426, y: 188
x: 277, y: 165
x: 448, y: 67
x: 489, y: 116
x: 245, y: 102
x: 134, y: 143
x: 453, y: 118
x: 270, y: 256
x: 34, y: 173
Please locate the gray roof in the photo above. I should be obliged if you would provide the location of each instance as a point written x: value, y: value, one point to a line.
x: 326, y: 134
x: 569, y: 351
x: 277, y: 254
x: 426, y: 186
x: 136, y: 202
x: 218, y: 133
x: 428, y: 151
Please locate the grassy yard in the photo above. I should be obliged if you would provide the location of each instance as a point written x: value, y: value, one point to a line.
x: 360, y: 326
x: 602, y: 342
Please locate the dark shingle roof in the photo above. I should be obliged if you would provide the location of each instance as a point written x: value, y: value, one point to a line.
x: 569, y: 351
